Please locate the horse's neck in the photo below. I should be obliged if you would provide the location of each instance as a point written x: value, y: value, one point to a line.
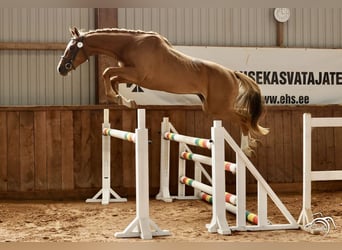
x: 109, y: 44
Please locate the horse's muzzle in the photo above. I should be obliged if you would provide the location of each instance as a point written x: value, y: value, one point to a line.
x: 62, y: 70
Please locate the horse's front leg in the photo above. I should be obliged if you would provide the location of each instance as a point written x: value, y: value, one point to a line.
x: 116, y: 75
x: 111, y: 94
x: 115, y: 81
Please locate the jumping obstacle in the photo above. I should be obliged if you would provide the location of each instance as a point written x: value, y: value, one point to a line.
x: 306, y: 217
x: 142, y: 226
x: 216, y: 144
x: 218, y: 222
x: 106, y: 191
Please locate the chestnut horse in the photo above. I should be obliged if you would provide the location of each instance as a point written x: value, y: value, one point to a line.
x: 149, y: 60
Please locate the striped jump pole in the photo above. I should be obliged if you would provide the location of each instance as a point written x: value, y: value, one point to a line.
x: 231, y: 198
x: 251, y: 217
x: 199, y: 142
x: 228, y: 166
x: 123, y: 135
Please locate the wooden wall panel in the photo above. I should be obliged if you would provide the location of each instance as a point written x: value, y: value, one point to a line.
x: 3, y: 150
x: 117, y: 156
x: 338, y: 142
x: 26, y: 151
x: 96, y: 119
x: 85, y: 149
x: 53, y: 150
x: 82, y: 149
x: 266, y: 165
x: 58, y: 150
x: 297, y: 146
x: 40, y: 155
x: 13, y: 161
x: 67, y: 151
x: 128, y: 149
x: 77, y: 153
x: 154, y: 124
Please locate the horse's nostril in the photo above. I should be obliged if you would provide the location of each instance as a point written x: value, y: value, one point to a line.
x: 68, y: 66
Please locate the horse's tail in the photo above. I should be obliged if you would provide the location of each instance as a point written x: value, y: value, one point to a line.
x: 249, y: 105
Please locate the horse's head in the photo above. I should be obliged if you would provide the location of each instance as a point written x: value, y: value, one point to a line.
x: 74, y: 54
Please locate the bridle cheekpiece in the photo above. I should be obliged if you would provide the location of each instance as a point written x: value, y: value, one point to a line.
x: 79, y: 46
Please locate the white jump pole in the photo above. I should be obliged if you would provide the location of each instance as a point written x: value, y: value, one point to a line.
x: 142, y: 226
x: 106, y: 191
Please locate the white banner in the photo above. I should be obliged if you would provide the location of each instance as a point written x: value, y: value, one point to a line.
x: 285, y: 76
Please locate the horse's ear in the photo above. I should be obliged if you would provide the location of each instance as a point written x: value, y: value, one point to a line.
x: 74, y: 32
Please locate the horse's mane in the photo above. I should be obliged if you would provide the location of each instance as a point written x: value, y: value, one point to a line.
x: 121, y: 30
x: 118, y: 30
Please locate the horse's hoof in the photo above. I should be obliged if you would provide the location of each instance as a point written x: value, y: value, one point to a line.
x: 110, y: 100
x: 132, y: 104
x: 114, y: 100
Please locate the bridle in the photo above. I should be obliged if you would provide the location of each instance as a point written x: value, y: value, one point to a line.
x: 79, y: 46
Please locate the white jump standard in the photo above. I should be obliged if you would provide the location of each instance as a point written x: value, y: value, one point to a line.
x: 142, y: 226
x: 106, y: 191
x: 306, y: 217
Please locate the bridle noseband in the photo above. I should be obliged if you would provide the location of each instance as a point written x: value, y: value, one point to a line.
x: 79, y: 46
